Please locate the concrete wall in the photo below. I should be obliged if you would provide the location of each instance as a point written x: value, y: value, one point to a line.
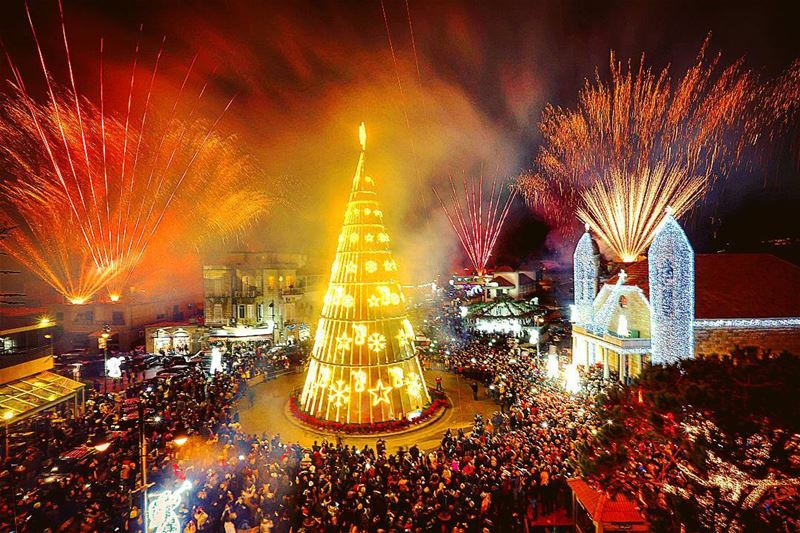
x: 723, y: 341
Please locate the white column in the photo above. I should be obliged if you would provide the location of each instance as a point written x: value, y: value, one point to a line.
x: 623, y: 370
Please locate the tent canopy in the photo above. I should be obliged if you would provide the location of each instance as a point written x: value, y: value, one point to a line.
x: 25, y: 397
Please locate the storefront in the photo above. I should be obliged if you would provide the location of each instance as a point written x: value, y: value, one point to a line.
x: 165, y: 337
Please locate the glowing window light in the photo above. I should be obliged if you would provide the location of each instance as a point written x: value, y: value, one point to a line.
x: 162, y: 513
x: 622, y: 326
x: 552, y: 366
x: 572, y: 379
x: 671, y: 274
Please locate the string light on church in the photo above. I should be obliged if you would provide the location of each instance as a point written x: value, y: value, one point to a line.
x: 363, y: 366
x: 671, y: 275
x: 586, y: 262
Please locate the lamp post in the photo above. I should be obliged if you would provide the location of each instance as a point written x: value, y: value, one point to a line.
x: 105, y: 335
x: 7, y: 416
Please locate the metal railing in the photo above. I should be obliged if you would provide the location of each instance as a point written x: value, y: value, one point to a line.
x: 17, y: 357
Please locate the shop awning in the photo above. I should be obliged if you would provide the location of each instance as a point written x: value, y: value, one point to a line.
x: 24, y: 397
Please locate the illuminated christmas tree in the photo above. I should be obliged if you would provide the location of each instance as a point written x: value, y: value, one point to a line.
x: 363, y: 366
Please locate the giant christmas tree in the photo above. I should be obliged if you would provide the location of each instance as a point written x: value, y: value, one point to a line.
x: 363, y: 366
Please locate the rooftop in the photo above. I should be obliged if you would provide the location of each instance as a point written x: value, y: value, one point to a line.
x: 735, y: 285
x: 608, y: 511
x: 506, y: 308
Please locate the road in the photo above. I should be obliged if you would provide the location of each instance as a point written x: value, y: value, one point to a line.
x: 268, y: 414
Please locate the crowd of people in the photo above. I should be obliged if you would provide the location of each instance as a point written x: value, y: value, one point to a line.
x: 510, y: 468
x: 62, y: 482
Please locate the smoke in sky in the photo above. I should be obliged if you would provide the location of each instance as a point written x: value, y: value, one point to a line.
x: 462, y: 98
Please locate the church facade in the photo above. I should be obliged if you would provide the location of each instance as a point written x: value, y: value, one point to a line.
x: 676, y: 304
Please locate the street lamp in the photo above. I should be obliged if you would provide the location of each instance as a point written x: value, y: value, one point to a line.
x: 99, y: 441
x: 7, y: 416
x: 105, y: 335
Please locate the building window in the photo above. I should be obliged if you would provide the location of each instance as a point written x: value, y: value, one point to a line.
x: 217, y: 313
x: 241, y: 314
x: 259, y: 312
x: 623, y: 301
x: 118, y: 318
x: 86, y: 317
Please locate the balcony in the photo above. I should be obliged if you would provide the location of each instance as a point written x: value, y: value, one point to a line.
x: 248, y: 293
x: 292, y: 291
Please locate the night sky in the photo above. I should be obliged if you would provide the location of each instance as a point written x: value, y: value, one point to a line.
x: 306, y: 73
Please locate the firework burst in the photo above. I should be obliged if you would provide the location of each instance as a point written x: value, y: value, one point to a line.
x: 635, y: 134
x: 625, y: 211
x: 106, y: 181
x: 477, y: 219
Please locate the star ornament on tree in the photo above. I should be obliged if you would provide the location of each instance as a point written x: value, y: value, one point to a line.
x: 380, y: 394
x: 371, y: 267
x: 339, y: 393
x: 374, y: 301
x: 343, y: 342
